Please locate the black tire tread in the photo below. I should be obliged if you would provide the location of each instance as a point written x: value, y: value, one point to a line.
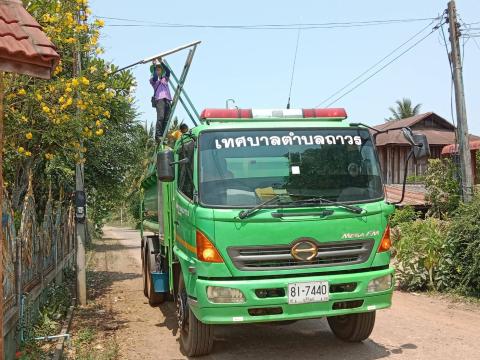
x: 357, y: 328
x: 200, y: 340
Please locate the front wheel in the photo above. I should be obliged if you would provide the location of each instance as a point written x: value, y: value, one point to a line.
x: 353, y: 327
x: 196, y: 338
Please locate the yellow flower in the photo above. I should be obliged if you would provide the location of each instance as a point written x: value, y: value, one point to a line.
x: 99, y: 132
x: 107, y: 114
x: 28, y: 153
x: 29, y: 136
x: 98, y: 123
x: 75, y: 82
x: 21, y: 92
x: 92, y: 69
x: 39, y: 97
x: 69, y: 101
x: 46, y: 109
x: 20, y: 149
x: 70, y: 40
x: 101, y: 86
x: 68, y: 89
x: 61, y: 100
x: 85, y: 81
x: 24, y: 119
x: 99, y: 51
x: 99, y: 23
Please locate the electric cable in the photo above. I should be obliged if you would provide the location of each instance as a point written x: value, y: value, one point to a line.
x: 327, y: 25
x: 384, y: 66
x: 377, y: 63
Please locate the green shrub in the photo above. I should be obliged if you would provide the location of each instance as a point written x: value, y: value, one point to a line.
x: 416, y: 179
x: 420, y: 249
x: 442, y: 187
x: 463, y: 246
x: 402, y: 215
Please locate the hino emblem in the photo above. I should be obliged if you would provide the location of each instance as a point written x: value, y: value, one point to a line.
x: 304, y: 250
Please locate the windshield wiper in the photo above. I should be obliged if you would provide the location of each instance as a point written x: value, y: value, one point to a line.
x: 246, y: 213
x: 320, y: 200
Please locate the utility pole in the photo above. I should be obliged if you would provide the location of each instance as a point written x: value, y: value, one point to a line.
x: 462, y: 126
x: 80, y: 206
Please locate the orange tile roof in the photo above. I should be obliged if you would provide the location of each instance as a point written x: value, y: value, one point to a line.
x: 414, y: 194
x: 24, y: 48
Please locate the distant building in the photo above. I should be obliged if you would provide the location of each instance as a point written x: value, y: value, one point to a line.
x: 393, y: 148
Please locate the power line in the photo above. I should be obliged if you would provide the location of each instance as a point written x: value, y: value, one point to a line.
x: 469, y: 36
x: 303, y: 26
x: 386, y: 65
x: 377, y: 63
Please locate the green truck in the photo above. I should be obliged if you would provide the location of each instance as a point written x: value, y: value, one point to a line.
x: 269, y: 215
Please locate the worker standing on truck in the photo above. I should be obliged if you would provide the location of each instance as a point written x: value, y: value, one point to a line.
x: 161, y: 98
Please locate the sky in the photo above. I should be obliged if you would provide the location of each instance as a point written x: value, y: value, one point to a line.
x: 254, y: 67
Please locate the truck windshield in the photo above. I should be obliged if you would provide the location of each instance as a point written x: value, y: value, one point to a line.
x: 246, y: 168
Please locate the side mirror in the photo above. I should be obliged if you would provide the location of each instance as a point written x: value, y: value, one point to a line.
x: 165, y: 168
x: 420, y: 150
x: 419, y: 143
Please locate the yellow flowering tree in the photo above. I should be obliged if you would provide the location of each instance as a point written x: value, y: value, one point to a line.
x: 47, y: 121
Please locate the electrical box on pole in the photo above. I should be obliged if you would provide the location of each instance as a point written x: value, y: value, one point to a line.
x: 462, y: 126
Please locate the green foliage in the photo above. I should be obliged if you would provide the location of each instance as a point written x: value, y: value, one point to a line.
x: 420, y: 254
x: 415, y: 179
x: 442, y: 187
x: 56, y: 306
x: 403, y: 215
x: 464, y: 248
x: 403, y: 109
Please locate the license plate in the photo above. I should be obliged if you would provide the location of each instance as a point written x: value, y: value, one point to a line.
x: 308, y: 292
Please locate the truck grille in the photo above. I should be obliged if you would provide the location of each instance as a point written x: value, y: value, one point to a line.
x: 279, y: 257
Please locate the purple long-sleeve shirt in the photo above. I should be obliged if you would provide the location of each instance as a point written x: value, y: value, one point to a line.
x: 161, y: 87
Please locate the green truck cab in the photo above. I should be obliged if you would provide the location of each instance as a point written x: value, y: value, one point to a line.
x: 268, y: 215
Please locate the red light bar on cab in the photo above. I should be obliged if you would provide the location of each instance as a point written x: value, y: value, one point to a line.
x: 325, y: 113
x: 336, y: 113
x: 226, y: 114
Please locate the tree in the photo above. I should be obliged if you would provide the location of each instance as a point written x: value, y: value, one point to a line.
x: 44, y: 131
x: 403, y: 110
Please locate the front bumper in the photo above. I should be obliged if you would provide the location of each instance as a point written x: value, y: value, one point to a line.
x: 210, y: 313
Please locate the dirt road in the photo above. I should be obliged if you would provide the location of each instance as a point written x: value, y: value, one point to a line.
x: 416, y: 327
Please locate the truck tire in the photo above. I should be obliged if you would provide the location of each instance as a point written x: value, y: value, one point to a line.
x: 353, y: 327
x: 196, y: 338
x: 154, y: 298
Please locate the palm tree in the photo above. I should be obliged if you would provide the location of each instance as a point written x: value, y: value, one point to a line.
x: 403, y: 110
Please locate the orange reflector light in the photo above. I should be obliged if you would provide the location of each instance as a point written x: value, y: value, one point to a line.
x: 206, y: 251
x: 386, y: 243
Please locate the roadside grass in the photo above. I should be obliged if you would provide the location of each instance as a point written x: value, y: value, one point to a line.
x: 49, y: 322
x: 92, y: 339
x: 456, y: 298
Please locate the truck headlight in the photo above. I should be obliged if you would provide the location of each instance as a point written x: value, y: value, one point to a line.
x: 380, y: 284
x: 218, y: 294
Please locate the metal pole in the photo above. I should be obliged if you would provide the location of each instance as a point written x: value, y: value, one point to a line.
x: 462, y: 126
x: 184, y: 93
x: 158, y: 56
x: 179, y: 88
x: 79, y: 187
x: 1, y: 214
